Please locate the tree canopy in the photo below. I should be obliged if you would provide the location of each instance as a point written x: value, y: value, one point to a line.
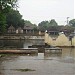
x: 2, y: 22
x: 44, y: 25
x: 53, y: 23
x: 14, y: 18
x: 72, y: 22
x: 28, y: 23
x: 5, y: 6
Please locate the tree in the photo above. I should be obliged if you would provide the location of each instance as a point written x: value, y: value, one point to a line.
x: 43, y: 25
x: 53, y: 23
x: 28, y: 23
x: 72, y: 22
x: 14, y: 18
x: 2, y: 22
x: 5, y: 6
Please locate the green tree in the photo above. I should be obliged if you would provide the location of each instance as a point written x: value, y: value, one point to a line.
x: 43, y: 25
x: 53, y: 23
x: 35, y: 27
x: 72, y: 22
x: 14, y: 18
x: 28, y: 23
x: 5, y: 6
x: 2, y: 23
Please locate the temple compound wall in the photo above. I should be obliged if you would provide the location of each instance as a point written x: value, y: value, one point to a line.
x: 60, y: 40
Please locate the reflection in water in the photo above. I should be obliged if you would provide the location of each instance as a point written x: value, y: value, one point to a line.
x: 43, y: 64
x: 68, y: 52
x: 68, y: 55
x: 20, y: 43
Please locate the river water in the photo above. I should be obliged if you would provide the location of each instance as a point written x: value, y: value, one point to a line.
x: 42, y: 64
x: 20, y: 43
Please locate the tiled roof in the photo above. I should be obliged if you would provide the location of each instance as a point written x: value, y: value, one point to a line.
x: 19, y: 28
x: 11, y: 27
x: 28, y: 27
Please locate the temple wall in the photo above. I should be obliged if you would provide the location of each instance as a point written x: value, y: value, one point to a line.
x: 73, y: 41
x: 61, y: 40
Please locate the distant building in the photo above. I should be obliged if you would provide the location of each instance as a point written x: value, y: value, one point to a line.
x: 28, y: 29
x: 19, y: 30
x: 11, y: 29
x: 61, y: 40
x: 53, y: 32
x: 41, y: 31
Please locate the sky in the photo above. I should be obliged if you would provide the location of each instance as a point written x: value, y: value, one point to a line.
x: 41, y: 10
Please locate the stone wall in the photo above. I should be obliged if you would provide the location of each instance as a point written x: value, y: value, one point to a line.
x: 61, y: 40
x: 17, y: 37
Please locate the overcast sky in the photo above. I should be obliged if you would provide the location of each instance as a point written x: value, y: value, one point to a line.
x: 41, y: 10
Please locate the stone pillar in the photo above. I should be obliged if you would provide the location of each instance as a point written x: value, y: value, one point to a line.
x: 26, y: 31
x: 21, y: 31
x: 33, y: 31
x: 16, y: 31
x: 39, y: 32
x: 30, y: 31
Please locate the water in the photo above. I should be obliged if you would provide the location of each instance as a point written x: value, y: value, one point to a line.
x: 20, y: 43
x: 43, y: 64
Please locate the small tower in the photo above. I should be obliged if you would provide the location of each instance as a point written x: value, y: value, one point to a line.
x: 67, y: 21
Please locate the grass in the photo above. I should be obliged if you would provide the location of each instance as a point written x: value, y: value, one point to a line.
x: 24, y: 70
x: 2, y: 55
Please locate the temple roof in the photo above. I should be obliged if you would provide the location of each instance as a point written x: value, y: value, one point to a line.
x: 28, y: 27
x: 11, y: 27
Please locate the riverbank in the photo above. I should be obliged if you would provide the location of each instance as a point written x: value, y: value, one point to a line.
x: 0, y: 55
x: 20, y: 51
x: 20, y: 36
